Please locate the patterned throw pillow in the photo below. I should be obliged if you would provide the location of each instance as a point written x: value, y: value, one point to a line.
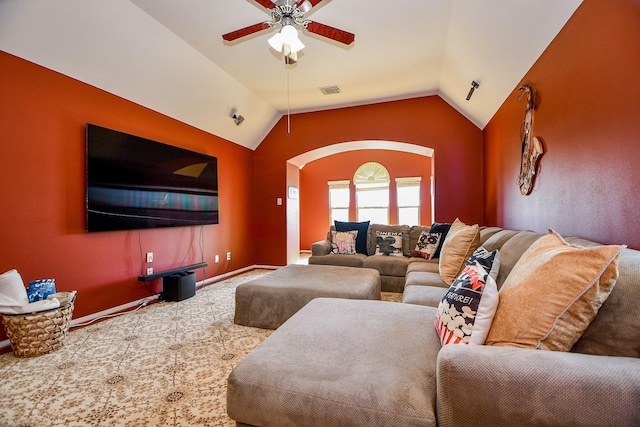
x: 39, y: 290
x: 466, y: 311
x: 344, y: 242
x: 443, y: 229
x: 362, y: 229
x: 427, y: 245
x: 388, y: 243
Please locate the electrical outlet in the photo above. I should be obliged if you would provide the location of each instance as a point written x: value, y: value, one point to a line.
x: 228, y: 256
x: 149, y: 256
x: 217, y: 258
x: 149, y: 271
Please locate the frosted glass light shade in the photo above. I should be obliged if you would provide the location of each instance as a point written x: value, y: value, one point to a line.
x: 276, y: 41
x: 288, y: 35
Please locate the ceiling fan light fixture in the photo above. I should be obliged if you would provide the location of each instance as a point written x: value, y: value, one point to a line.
x: 276, y: 41
x: 289, y: 36
x: 305, y: 6
x: 295, y: 46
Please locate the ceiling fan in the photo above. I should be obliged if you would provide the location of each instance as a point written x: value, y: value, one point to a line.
x: 289, y: 14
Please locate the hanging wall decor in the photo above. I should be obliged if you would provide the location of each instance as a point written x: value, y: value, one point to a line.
x: 532, y: 148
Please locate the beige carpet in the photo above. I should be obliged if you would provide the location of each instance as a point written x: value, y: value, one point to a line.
x: 163, y: 365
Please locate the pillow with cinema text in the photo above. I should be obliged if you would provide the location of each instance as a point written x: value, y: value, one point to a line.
x: 343, y: 242
x: 466, y: 312
x: 388, y: 243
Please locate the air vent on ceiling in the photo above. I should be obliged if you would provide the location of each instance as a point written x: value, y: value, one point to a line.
x: 330, y: 90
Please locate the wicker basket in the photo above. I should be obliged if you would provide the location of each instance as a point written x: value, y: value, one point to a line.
x: 33, y: 334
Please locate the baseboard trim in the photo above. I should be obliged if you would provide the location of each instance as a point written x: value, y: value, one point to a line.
x: 6, y: 345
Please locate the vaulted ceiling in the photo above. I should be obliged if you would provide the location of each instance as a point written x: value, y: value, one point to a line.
x: 169, y: 55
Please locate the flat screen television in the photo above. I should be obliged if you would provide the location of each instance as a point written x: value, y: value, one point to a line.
x: 137, y: 183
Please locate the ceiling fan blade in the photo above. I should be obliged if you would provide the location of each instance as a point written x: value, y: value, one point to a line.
x: 331, y: 33
x: 242, y: 32
x: 266, y: 3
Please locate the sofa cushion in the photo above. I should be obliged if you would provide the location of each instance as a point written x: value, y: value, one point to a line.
x: 615, y: 331
x: 361, y: 238
x: 342, y: 260
x: 404, y: 229
x: 343, y: 242
x: 419, y: 264
x: 389, y: 243
x: 387, y: 266
x: 512, y: 250
x: 423, y: 295
x: 487, y: 232
x: 461, y: 241
x: 467, y: 309
x: 553, y: 293
x: 496, y: 240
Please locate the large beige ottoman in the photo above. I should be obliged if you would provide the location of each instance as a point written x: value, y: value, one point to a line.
x: 267, y: 302
x: 341, y: 363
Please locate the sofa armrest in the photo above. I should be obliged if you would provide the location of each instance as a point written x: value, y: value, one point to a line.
x: 500, y: 386
x: 323, y: 247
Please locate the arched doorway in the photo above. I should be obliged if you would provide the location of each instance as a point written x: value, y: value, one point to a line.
x: 295, y: 164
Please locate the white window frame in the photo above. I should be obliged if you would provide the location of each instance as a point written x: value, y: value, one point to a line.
x: 339, y: 185
x: 405, y: 183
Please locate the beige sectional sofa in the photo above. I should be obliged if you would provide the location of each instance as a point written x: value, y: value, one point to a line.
x: 373, y: 363
x: 393, y: 269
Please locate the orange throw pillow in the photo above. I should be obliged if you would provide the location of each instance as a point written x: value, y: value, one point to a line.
x: 461, y: 242
x: 553, y: 293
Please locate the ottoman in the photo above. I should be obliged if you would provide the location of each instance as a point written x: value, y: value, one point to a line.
x: 267, y: 302
x: 341, y: 363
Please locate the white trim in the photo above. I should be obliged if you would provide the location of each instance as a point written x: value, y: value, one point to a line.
x: 302, y: 159
x: 343, y: 183
x: 123, y: 307
x: 410, y: 179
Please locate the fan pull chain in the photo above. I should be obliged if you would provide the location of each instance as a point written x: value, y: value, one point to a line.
x: 288, y: 105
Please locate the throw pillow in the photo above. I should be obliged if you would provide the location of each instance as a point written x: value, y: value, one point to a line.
x: 40, y: 289
x: 361, y: 228
x: 443, y: 229
x: 553, y: 293
x: 427, y: 245
x: 461, y: 241
x: 466, y: 311
x: 343, y: 242
x: 388, y: 243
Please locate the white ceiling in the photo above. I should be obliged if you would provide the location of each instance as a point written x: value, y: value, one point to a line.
x: 169, y: 55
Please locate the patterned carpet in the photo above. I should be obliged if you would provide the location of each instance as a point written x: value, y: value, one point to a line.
x: 163, y: 365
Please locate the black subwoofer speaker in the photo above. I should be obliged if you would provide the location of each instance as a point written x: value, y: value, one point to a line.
x: 178, y: 287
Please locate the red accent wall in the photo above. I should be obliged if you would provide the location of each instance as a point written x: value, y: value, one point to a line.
x: 314, y: 200
x: 43, y: 115
x: 426, y: 121
x: 589, y: 121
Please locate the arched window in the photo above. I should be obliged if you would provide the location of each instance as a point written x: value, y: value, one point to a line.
x: 372, y: 193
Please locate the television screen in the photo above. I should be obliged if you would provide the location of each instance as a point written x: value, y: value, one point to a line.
x: 135, y: 183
